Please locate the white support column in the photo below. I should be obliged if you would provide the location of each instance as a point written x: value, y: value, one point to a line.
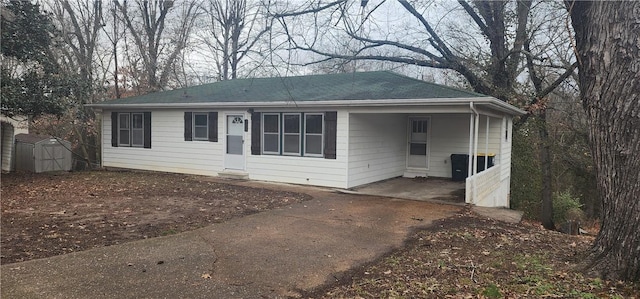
x: 475, y: 157
x: 486, y: 144
x: 475, y: 145
x: 471, y: 122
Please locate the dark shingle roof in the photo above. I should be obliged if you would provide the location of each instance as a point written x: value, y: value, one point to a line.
x: 352, y: 86
x: 31, y: 138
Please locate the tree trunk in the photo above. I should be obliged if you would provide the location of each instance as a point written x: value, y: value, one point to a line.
x: 608, y: 48
x: 545, y: 163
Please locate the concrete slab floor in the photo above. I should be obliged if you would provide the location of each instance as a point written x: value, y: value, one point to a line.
x: 424, y: 189
x: 437, y: 190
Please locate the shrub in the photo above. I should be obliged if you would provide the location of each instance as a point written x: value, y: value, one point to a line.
x: 566, y: 207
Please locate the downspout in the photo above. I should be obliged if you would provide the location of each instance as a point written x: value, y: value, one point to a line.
x: 100, y: 113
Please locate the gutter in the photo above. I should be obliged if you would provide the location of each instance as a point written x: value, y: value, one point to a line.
x: 487, y: 101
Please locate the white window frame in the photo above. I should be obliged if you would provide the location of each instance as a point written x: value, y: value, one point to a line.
x: 299, y: 134
x: 141, y: 130
x: 121, y: 129
x: 262, y: 139
x: 427, y: 123
x: 321, y: 134
x: 193, y: 128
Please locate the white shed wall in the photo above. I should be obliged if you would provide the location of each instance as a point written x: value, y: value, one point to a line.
x: 10, y: 127
x: 6, y: 146
x: 377, y: 147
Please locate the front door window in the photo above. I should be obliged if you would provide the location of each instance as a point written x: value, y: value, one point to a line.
x: 234, y: 158
x: 418, y: 142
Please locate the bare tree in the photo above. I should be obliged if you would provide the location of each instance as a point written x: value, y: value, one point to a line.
x: 81, y: 24
x: 493, y: 45
x: 607, y: 39
x: 233, y: 30
x: 158, y: 41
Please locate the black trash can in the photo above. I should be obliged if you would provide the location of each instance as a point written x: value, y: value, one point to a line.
x: 460, y: 167
x: 481, y: 158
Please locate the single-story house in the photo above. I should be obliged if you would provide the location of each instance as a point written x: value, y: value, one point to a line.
x: 336, y: 130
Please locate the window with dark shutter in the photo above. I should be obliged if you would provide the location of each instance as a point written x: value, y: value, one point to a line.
x: 331, y: 128
x: 313, y: 132
x: 114, y: 129
x: 294, y: 134
x: 201, y: 126
x: 188, y: 133
x: 255, y: 133
x: 147, y: 129
x: 213, y: 126
x: 131, y: 129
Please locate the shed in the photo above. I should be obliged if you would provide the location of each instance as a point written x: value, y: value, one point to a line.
x: 39, y: 153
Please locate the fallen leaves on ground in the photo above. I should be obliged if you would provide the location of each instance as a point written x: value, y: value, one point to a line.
x: 467, y: 256
x: 51, y: 214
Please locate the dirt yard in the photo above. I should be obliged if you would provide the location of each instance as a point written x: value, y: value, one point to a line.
x: 51, y: 214
x: 465, y: 256
x: 469, y: 256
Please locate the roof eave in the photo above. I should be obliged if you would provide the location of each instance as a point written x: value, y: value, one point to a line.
x: 490, y: 101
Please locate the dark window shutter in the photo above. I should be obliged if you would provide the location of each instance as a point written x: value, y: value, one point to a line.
x: 330, y: 130
x: 213, y: 126
x: 255, y: 133
x: 188, y: 135
x: 147, y: 129
x: 114, y: 129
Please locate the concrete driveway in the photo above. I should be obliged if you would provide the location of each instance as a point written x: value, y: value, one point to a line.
x: 271, y: 254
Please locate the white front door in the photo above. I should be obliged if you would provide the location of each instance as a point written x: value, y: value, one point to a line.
x: 418, y: 147
x: 234, y: 142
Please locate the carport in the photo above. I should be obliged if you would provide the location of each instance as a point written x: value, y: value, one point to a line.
x: 418, y: 142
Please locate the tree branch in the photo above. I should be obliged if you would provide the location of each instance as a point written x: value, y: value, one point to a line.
x: 476, y: 18
x: 312, y: 10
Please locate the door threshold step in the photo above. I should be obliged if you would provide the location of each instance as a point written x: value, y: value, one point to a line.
x: 234, y: 174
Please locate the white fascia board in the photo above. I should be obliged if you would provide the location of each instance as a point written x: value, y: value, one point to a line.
x: 494, y: 103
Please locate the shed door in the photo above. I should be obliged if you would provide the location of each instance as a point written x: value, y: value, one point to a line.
x: 52, y: 157
x: 234, y: 153
x: 418, y: 146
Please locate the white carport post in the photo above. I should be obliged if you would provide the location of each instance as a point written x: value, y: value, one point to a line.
x: 486, y: 145
x: 473, y: 141
x: 471, y: 122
